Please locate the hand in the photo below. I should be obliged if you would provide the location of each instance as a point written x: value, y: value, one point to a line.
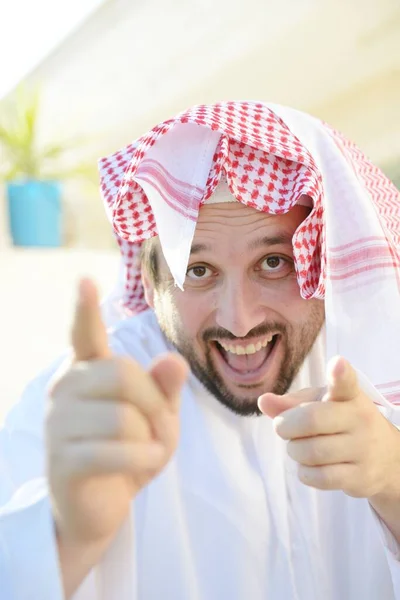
x: 342, y: 442
x: 111, y: 428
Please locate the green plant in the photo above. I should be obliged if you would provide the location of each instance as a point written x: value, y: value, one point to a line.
x: 21, y: 155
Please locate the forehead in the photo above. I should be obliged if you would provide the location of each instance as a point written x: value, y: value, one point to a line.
x: 217, y: 222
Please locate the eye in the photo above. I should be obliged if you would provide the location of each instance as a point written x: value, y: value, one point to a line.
x: 199, y: 272
x: 276, y: 265
x: 271, y: 263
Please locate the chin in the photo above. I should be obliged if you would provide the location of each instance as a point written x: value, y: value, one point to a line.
x: 244, y: 407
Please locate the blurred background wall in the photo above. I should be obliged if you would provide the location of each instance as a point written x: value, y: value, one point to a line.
x: 129, y: 64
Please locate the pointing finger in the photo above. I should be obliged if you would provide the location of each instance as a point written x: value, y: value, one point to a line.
x: 273, y: 405
x: 89, y: 335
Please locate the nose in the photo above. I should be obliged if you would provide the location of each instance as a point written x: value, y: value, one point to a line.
x: 239, y: 308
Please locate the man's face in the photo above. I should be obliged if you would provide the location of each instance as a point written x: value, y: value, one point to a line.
x: 240, y: 321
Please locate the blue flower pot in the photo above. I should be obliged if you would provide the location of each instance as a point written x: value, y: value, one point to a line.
x: 34, y: 209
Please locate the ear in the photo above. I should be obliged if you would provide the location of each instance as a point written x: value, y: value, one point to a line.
x: 148, y: 287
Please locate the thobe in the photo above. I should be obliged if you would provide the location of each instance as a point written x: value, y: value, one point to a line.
x: 226, y: 519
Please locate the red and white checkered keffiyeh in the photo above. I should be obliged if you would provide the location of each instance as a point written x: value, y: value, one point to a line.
x: 347, y: 251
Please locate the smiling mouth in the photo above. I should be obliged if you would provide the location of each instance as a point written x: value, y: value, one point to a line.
x: 249, y: 359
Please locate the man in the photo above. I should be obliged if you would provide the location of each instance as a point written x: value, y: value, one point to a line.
x: 232, y: 436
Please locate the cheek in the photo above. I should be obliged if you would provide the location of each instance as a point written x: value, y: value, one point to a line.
x: 283, y: 296
x: 194, y: 310
x: 309, y: 313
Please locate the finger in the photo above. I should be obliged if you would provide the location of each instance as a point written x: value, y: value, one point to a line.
x: 314, y: 418
x: 328, y: 477
x: 89, y: 335
x: 273, y: 405
x: 323, y: 450
x: 342, y: 379
x: 98, y: 419
x: 101, y: 457
x: 170, y: 373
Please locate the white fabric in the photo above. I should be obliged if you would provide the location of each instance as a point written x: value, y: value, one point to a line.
x: 176, y: 233
x: 228, y: 518
x: 358, y: 314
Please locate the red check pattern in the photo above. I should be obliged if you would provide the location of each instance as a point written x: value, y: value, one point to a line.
x: 267, y: 168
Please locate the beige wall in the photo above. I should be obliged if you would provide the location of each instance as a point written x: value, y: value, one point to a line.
x: 370, y: 114
x: 134, y: 64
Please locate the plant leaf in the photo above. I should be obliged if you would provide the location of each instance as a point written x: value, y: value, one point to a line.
x: 52, y: 152
x: 18, y: 143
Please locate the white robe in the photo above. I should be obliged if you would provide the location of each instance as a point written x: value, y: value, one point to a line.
x: 227, y: 518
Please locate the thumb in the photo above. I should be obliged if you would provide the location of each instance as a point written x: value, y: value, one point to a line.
x: 170, y: 373
x: 88, y: 335
x: 342, y: 380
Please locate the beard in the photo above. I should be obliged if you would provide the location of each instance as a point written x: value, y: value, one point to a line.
x: 296, y: 343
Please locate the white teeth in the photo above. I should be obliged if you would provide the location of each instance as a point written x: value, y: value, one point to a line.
x: 250, y: 349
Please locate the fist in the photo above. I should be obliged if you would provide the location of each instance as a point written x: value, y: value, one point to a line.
x: 111, y: 427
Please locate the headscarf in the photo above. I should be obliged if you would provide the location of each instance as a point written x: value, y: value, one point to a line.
x: 346, y: 251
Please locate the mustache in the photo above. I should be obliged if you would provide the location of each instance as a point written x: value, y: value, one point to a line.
x: 219, y: 333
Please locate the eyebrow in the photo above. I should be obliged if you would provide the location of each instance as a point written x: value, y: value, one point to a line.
x: 274, y: 240
x: 262, y: 242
